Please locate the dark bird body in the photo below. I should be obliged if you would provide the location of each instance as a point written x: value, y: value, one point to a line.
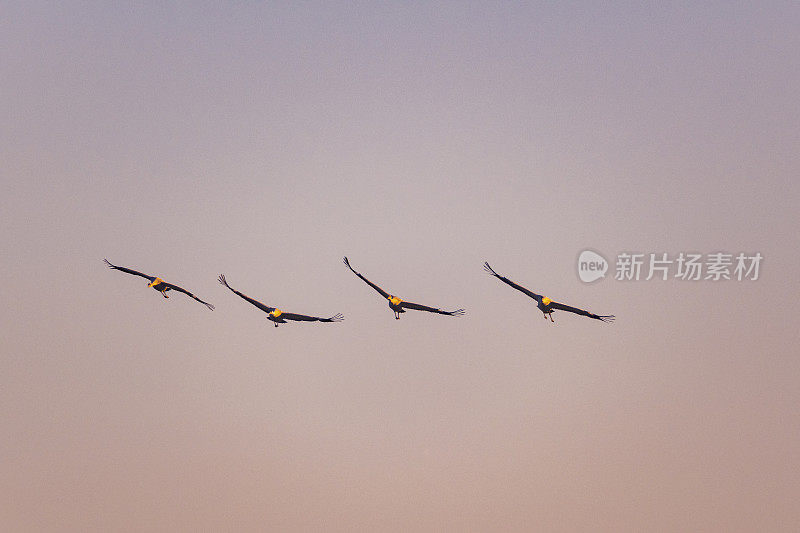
x: 159, y: 284
x: 276, y: 315
x: 545, y: 304
x: 399, y: 306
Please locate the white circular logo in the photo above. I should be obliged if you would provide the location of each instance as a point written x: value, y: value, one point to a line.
x: 591, y: 266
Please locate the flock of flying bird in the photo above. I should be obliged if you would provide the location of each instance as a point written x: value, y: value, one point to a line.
x: 545, y: 304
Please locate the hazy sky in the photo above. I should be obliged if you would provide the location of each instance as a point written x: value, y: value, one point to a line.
x: 188, y: 139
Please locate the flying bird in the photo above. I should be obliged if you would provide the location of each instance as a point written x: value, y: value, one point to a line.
x: 159, y: 284
x: 545, y: 304
x: 276, y: 315
x: 399, y: 306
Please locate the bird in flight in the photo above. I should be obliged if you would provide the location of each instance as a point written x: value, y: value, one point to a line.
x: 399, y: 306
x: 545, y: 304
x: 276, y: 315
x: 159, y: 284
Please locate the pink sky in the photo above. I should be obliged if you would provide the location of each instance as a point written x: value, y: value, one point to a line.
x: 420, y: 141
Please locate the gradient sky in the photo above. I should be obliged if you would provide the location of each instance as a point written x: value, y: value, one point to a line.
x: 188, y: 139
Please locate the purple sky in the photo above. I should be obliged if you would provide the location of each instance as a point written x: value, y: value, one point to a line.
x: 187, y: 140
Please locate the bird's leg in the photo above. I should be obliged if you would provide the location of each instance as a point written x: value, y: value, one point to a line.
x: 551, y: 317
x: 164, y: 294
x: 276, y: 324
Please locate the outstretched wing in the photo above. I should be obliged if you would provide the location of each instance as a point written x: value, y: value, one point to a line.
x: 184, y: 291
x: 128, y: 270
x: 265, y: 308
x: 303, y: 318
x: 487, y: 268
x: 604, y: 318
x: 419, y: 307
x: 368, y: 282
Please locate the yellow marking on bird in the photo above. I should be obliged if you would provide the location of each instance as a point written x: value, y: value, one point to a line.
x: 395, y: 300
x: 156, y: 282
x: 546, y: 300
x: 276, y: 313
